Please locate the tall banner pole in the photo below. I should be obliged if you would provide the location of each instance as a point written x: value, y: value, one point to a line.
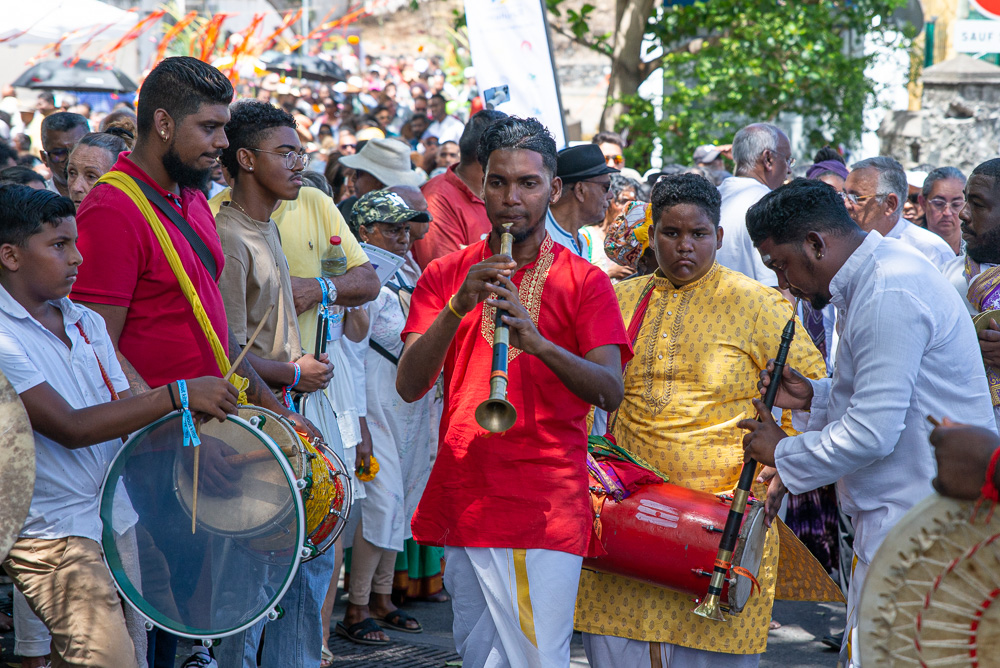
x: 510, y: 47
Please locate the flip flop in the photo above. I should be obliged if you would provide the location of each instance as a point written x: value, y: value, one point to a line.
x: 396, y: 620
x: 357, y: 632
x: 326, y: 658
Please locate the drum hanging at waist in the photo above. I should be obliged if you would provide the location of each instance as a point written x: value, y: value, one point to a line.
x: 668, y: 536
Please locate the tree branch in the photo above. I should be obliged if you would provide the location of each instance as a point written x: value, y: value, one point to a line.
x: 603, y: 49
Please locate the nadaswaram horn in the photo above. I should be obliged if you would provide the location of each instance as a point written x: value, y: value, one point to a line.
x: 496, y: 414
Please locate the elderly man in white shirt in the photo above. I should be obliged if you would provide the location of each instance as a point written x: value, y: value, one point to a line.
x: 907, y: 350
x: 874, y: 194
x: 763, y: 157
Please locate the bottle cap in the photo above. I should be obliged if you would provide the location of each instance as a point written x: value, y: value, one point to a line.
x: 335, y: 241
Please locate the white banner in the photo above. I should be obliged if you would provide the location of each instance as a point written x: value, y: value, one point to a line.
x: 510, y: 47
x: 977, y: 36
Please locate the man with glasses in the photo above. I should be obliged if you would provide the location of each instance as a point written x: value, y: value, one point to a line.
x: 942, y: 197
x: 613, y: 146
x: 264, y: 158
x: 763, y: 157
x: 874, y: 194
x: 60, y: 133
x: 586, y: 195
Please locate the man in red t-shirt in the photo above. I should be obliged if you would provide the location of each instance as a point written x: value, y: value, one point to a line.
x: 453, y: 198
x: 125, y: 276
x: 512, y: 509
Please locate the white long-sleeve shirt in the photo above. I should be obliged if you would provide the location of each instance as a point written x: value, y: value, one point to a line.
x: 933, y: 247
x: 907, y: 350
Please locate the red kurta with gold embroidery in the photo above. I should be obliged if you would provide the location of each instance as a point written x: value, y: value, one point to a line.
x: 525, y: 488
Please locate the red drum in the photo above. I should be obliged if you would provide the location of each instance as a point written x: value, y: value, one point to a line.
x: 668, y: 536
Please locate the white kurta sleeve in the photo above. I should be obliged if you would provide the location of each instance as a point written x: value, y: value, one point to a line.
x: 890, y: 337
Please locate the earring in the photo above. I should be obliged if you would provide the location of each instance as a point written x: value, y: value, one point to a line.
x: 251, y: 169
x: 819, y: 256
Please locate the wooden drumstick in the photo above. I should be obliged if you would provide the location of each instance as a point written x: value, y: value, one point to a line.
x: 256, y: 456
x: 194, y: 490
x: 246, y: 348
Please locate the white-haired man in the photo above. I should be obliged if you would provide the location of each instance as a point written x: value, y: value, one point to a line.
x: 763, y: 157
x: 874, y: 194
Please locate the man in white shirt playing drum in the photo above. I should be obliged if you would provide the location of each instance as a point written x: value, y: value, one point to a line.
x: 907, y: 350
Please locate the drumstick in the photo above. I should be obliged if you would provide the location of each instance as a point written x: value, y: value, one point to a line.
x: 256, y: 456
x: 246, y: 348
x: 933, y: 421
x: 194, y: 490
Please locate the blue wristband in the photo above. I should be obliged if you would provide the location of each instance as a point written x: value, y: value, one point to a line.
x: 326, y: 293
x: 187, y: 420
x: 298, y: 375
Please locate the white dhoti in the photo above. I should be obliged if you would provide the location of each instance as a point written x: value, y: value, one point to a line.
x: 849, y: 650
x: 512, y: 607
x: 612, y: 652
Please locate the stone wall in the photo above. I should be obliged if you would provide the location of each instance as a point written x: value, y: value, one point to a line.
x: 959, y: 120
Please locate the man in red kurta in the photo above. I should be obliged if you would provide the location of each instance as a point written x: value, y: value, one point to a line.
x: 512, y: 509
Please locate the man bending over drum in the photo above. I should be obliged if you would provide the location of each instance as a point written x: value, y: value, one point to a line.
x: 511, y: 509
x: 908, y: 349
x: 706, y: 332
x: 61, y: 361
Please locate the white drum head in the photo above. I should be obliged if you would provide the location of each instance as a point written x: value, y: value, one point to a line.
x: 931, y: 593
x: 211, y: 582
x: 749, y: 555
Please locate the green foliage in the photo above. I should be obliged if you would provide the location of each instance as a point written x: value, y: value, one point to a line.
x: 727, y: 62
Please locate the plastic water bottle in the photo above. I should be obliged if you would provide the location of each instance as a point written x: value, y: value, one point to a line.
x: 333, y: 264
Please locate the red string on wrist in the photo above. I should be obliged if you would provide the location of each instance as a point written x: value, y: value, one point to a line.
x: 990, y: 490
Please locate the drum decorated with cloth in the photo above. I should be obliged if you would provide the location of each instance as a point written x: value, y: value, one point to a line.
x: 202, y: 574
x: 323, y: 480
x: 668, y: 536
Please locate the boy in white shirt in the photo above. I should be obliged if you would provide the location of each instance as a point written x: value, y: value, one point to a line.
x: 60, y: 360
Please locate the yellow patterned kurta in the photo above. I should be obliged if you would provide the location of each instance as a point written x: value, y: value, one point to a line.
x: 697, y: 361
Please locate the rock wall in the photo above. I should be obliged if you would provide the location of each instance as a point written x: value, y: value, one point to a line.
x: 959, y: 120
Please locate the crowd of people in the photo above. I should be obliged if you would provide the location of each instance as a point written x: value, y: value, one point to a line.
x: 141, y: 252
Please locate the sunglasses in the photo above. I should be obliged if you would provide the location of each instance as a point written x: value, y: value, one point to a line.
x: 617, y: 159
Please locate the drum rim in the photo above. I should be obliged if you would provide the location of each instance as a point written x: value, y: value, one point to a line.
x: 114, y: 562
x: 756, y: 513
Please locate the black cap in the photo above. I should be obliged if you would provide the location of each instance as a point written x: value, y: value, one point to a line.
x: 579, y: 163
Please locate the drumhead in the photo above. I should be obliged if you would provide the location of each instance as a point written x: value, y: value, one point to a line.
x: 749, y: 555
x: 931, y: 593
x: 209, y: 583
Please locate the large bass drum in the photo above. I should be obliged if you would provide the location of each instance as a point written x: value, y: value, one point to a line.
x: 207, y: 578
x: 668, y: 536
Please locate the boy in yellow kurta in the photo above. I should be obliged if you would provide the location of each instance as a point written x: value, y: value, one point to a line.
x: 706, y: 334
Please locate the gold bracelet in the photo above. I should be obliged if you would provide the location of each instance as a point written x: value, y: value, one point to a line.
x: 452, y: 308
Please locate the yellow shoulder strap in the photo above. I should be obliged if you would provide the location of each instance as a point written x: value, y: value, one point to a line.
x: 128, y: 186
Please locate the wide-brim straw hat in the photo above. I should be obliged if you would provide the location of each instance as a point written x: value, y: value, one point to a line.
x: 388, y: 160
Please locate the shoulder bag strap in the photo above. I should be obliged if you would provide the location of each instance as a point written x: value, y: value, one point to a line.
x: 198, y: 244
x: 383, y: 352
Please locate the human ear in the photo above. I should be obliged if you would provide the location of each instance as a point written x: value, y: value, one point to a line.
x: 9, y: 257
x: 245, y: 158
x: 718, y: 235
x: 557, y: 189
x: 163, y: 124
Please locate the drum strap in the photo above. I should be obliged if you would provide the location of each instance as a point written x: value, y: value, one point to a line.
x: 634, y: 325
x: 128, y: 186
x: 104, y: 374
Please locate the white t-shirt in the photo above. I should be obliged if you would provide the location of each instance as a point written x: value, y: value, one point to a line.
x: 67, y: 482
x: 739, y: 193
x: 450, y: 129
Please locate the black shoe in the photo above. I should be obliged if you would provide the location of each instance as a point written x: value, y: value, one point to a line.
x: 834, y: 641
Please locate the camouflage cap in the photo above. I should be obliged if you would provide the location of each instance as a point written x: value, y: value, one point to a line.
x: 382, y: 206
